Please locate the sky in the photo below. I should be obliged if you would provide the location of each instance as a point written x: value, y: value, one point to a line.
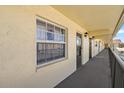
x: 120, y: 34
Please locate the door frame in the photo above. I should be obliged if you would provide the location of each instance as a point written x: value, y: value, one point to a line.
x: 90, y: 48
x: 81, y: 49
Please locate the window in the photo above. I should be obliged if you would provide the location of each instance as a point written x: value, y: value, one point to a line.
x: 51, y: 41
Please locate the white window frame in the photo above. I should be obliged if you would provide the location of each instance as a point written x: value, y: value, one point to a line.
x: 44, y: 41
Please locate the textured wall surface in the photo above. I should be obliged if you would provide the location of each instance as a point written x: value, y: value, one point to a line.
x: 18, y: 47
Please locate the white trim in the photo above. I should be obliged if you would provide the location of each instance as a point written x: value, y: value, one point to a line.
x: 52, y: 41
x: 49, y: 21
x: 51, y: 62
x: 46, y: 41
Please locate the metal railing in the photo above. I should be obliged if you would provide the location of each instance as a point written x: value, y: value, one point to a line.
x: 117, y: 70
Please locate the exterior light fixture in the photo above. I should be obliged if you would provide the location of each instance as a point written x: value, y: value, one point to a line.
x: 93, y: 37
x: 85, y: 34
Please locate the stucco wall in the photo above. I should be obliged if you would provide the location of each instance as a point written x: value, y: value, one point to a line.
x: 93, y: 47
x: 18, y: 47
x: 99, y: 47
x: 85, y: 50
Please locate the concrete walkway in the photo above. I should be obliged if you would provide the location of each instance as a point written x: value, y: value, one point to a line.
x: 95, y: 74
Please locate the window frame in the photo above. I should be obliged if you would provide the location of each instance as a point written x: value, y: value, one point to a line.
x: 53, y: 42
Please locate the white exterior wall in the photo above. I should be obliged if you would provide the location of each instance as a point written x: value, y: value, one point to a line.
x: 93, y: 47
x: 85, y: 50
x: 96, y: 49
x: 18, y: 48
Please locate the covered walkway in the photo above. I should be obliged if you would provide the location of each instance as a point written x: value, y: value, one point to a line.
x: 95, y: 74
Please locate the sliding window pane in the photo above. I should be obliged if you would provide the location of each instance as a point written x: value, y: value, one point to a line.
x: 50, y: 32
x: 57, y: 32
x: 56, y: 53
x: 41, y: 30
x: 58, y: 50
x: 49, y: 48
x: 49, y: 51
x: 62, y: 50
x: 62, y: 35
x: 40, y: 53
x: 53, y: 52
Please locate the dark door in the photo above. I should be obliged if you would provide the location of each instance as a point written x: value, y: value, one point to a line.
x: 99, y: 47
x: 90, y: 48
x: 79, y: 49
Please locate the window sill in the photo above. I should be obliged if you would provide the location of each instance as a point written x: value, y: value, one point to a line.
x: 51, y: 41
x: 50, y: 63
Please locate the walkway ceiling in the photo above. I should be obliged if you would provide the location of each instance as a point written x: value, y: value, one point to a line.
x: 99, y: 21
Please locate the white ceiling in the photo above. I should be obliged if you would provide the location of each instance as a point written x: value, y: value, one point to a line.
x: 97, y: 20
x: 93, y: 18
